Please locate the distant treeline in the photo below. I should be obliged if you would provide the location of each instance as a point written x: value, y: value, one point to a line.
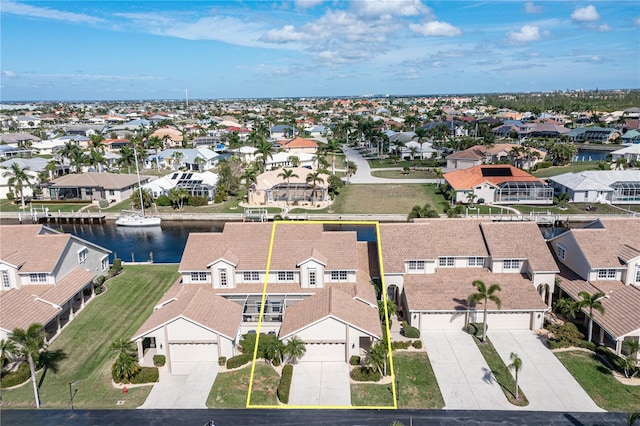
x: 567, y: 102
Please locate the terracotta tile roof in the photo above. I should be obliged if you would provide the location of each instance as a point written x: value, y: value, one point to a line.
x: 428, y: 239
x: 331, y: 302
x: 198, y: 303
x: 519, y: 240
x: 299, y: 142
x: 447, y: 290
x: 469, y: 178
x: 32, y: 247
x: 610, y: 246
x: 94, y: 179
x: 64, y: 289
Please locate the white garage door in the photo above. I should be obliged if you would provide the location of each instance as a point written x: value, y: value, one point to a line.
x: 329, y: 352
x: 509, y: 321
x: 445, y: 321
x: 193, y: 352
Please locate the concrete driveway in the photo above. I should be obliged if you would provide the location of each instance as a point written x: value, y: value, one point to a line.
x: 323, y: 384
x: 543, y: 379
x: 188, y: 388
x: 465, y: 381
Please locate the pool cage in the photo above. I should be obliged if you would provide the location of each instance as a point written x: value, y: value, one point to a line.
x: 625, y: 192
x: 523, y: 191
x: 295, y: 192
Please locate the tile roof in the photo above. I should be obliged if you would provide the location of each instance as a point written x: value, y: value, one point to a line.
x: 94, y: 179
x: 299, y: 142
x: 33, y: 248
x: 479, y: 152
x: 611, y: 245
x: 447, y: 290
x: 469, y: 178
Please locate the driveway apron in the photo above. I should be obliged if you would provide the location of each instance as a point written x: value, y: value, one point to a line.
x: 187, y: 390
x: 543, y: 379
x: 465, y: 381
x: 323, y: 384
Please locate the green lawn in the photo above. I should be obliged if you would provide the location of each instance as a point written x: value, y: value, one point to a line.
x: 230, y: 388
x: 116, y: 313
x: 10, y: 206
x: 596, y: 379
x: 401, y: 174
x: 417, y: 385
x: 569, y: 168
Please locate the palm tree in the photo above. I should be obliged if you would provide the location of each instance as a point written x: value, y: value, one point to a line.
x: 96, y: 142
x: 592, y: 301
x: 377, y: 356
x: 314, y: 179
x: 96, y: 159
x: 176, y: 158
x: 294, y: 349
x: 18, y: 178
x: 265, y: 150
x: 286, y: 175
x: 633, y: 346
x: 412, y: 152
x: 471, y: 197
x: 332, y: 146
x: 392, y: 308
x: 418, y: 212
x: 127, y: 158
x: 483, y: 295
x: 567, y: 307
x: 439, y: 174
x: 516, y: 366
x: 31, y: 342
x: 274, y: 349
x: 126, y: 363
x: 177, y: 196
x: 8, y: 349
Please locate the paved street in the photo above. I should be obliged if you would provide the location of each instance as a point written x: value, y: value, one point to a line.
x: 363, y: 173
x: 323, y: 384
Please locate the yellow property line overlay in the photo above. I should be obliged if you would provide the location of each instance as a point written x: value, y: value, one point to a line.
x: 386, y: 320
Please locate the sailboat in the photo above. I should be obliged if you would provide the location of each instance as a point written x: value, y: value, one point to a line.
x: 137, y: 218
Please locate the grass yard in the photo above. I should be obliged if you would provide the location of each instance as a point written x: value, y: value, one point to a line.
x: 116, y: 313
x: 596, y: 379
x: 401, y: 174
x: 230, y: 388
x: 10, y: 206
x: 569, y: 168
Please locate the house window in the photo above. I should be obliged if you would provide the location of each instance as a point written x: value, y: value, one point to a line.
x: 606, y: 274
x: 223, y: 277
x: 89, y: 191
x: 105, y: 264
x: 476, y: 261
x: 276, y: 307
x: 445, y: 261
x: 511, y: 264
x: 198, y: 276
x: 638, y: 274
x: 5, y: 280
x: 339, y: 275
x: 82, y: 255
x: 416, y: 265
x: 112, y: 192
x: 312, y: 277
x: 251, y: 276
x: 38, y: 278
x: 285, y: 276
x: 562, y: 252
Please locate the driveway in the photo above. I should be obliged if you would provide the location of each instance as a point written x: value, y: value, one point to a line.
x: 543, y: 379
x: 363, y: 171
x: 465, y: 381
x: 187, y: 389
x: 323, y: 384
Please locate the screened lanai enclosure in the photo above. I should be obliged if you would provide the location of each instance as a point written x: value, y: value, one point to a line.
x: 523, y: 192
x: 625, y: 192
x: 295, y: 192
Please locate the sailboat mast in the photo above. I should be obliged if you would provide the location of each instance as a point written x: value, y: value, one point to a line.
x: 135, y: 155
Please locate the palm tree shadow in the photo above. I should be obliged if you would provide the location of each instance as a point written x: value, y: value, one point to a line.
x: 492, y: 376
x: 50, y: 360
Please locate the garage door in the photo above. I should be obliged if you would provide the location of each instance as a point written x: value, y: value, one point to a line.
x: 445, y: 321
x: 329, y: 352
x: 193, y: 352
x: 509, y: 321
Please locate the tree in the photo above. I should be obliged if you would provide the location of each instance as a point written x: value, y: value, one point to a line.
x: 286, y: 175
x: 483, y: 295
x: 31, y: 342
x: 633, y: 346
x: 591, y: 301
x: 562, y: 153
x: 377, y: 356
x: 8, y: 349
x: 314, y: 179
x: 418, y: 212
x: 567, y: 307
x: 127, y: 158
x: 126, y: 363
x: 265, y: 150
x: 178, y: 195
x: 392, y: 308
x: 96, y: 142
x: 516, y: 366
x: 352, y: 168
x: 294, y: 349
x: 630, y: 366
x: 332, y: 146
x: 471, y: 197
x: 147, y: 199
x: 18, y: 178
x: 274, y: 349
x: 439, y: 174
x: 96, y: 159
x: 176, y: 159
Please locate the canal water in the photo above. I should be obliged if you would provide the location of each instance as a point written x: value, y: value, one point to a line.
x: 590, y: 155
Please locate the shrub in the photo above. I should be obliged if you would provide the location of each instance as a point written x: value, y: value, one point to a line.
x: 222, y: 360
x: 146, y: 375
x: 544, y: 164
x: 410, y: 332
x: 248, y: 343
x: 275, y: 362
x: 163, y: 201
x: 220, y: 197
x: 14, y: 378
x: 365, y: 374
x: 285, y: 384
x: 116, y: 267
x: 566, y: 335
x: 417, y: 344
x: 354, y: 360
x: 159, y: 360
x: 400, y: 344
x: 195, y: 201
x: 239, y: 360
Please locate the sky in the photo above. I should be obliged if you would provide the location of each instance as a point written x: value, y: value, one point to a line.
x: 120, y: 50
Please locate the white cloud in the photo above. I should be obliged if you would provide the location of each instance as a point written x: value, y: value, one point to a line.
x: 45, y: 12
x: 8, y: 74
x: 604, y: 28
x: 526, y: 34
x: 585, y: 14
x: 307, y: 4
x: 377, y: 8
x: 436, y: 28
x: 531, y: 7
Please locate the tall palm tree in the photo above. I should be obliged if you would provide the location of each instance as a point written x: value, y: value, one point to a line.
x: 18, y: 179
x: 176, y: 158
x: 126, y: 363
x: 68, y: 151
x: 96, y: 159
x: 265, y: 150
x: 516, y: 366
x: 31, y: 342
x: 314, y: 179
x: 286, y: 175
x: 127, y: 158
x: 295, y: 349
x: 633, y: 346
x: 471, y: 197
x: 96, y: 142
x: 377, y: 357
x: 483, y: 295
x: 591, y: 301
x: 332, y: 146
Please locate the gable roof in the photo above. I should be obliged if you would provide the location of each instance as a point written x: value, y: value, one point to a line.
x: 468, y: 178
x: 33, y: 248
x: 93, y: 180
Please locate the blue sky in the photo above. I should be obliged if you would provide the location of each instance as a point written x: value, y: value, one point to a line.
x: 110, y: 50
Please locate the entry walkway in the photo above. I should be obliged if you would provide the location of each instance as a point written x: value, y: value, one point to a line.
x: 543, y: 379
x: 187, y: 390
x: 465, y: 381
x: 324, y: 384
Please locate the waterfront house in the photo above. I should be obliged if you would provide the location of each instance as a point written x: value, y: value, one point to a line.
x: 94, y: 186
x: 197, y: 184
x: 599, y: 186
x: 629, y: 153
x: 271, y: 188
x: 494, y: 154
x: 299, y: 145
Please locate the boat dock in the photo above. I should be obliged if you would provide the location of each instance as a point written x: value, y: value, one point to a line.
x: 45, y: 216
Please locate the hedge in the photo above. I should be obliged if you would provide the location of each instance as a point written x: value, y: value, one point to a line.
x: 239, y: 360
x: 354, y: 360
x: 14, y: 378
x: 400, y: 344
x: 365, y: 374
x: 146, y: 375
x: 159, y: 360
x: 285, y: 384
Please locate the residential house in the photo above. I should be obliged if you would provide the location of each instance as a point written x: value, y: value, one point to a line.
x: 599, y: 186
x: 19, y: 140
x: 631, y: 137
x: 47, y: 277
x: 190, y: 159
x: 94, y: 187
x: 629, y: 153
x: 596, y: 134
x: 283, y: 159
x: 197, y: 184
x: 299, y: 145
x: 170, y: 136
x: 604, y: 256
x: 498, y: 184
x: 272, y: 188
x: 494, y: 154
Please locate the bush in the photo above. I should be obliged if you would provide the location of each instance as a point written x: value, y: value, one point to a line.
x: 354, y: 360
x: 248, y: 343
x: 163, y: 201
x: 159, y: 360
x: 116, y: 267
x: 365, y: 374
x: 222, y: 360
x: 14, y: 378
x: 567, y: 335
x: 220, y: 197
x: 417, y: 344
x: 146, y: 375
x: 195, y: 201
x: 239, y: 360
x: 285, y: 384
x: 544, y: 164
x: 276, y: 362
x: 410, y: 332
x: 400, y: 344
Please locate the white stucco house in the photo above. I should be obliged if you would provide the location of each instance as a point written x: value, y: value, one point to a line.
x: 599, y: 186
